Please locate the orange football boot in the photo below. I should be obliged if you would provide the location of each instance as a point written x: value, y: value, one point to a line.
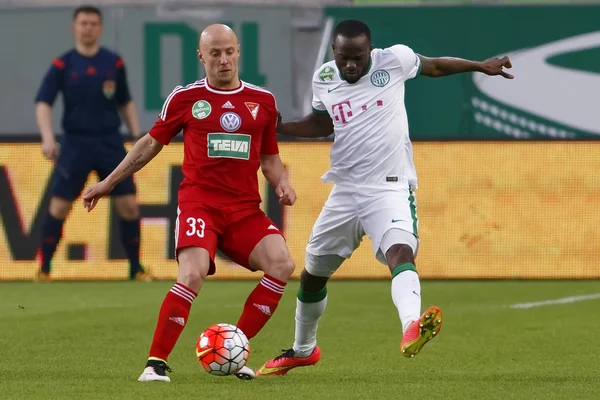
x: 421, y: 331
x: 282, y: 364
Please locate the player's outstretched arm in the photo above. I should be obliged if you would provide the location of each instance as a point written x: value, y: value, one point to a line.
x: 312, y: 126
x: 443, y: 66
x: 144, y: 150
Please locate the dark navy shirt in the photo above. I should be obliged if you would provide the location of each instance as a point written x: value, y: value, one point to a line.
x: 93, y: 89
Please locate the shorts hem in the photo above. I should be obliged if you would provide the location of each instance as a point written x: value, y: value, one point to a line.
x: 328, y: 253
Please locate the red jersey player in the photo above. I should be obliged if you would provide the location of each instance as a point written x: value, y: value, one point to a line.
x: 228, y: 133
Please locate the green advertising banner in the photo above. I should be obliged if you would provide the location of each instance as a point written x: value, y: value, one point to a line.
x: 555, y: 51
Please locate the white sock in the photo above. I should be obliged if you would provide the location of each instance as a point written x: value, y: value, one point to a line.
x: 406, y: 293
x: 309, y: 308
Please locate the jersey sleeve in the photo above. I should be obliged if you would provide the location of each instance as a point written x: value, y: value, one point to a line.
x: 170, y: 120
x: 123, y: 95
x: 409, y: 61
x: 51, y: 83
x: 317, y: 105
x: 269, y: 144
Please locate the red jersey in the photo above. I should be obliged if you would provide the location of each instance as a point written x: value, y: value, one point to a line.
x: 224, y: 134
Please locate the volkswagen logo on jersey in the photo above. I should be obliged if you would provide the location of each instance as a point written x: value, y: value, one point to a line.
x: 230, y: 121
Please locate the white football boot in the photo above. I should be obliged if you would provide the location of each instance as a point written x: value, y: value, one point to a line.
x: 156, y: 370
x: 245, y: 373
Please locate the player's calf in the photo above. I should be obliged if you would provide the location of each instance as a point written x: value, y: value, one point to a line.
x: 194, y: 263
x: 261, y: 305
x: 271, y: 256
x: 52, y: 232
x: 129, y: 226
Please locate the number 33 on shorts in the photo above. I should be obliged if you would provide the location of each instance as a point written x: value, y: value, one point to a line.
x: 197, y: 226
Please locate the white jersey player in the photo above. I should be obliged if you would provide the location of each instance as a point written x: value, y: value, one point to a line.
x: 360, y: 97
x: 371, y: 158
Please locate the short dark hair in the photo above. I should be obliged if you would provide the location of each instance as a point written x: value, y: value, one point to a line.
x: 351, y: 28
x: 87, y: 9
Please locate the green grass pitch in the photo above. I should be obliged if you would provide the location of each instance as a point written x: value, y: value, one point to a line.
x: 90, y: 341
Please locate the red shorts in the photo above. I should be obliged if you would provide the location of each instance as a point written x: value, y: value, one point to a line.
x: 233, y: 230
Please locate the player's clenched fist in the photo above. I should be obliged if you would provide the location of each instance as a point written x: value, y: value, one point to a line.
x: 95, y: 193
x: 50, y: 149
x: 286, y: 193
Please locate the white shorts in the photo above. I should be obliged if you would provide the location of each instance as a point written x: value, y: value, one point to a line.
x: 350, y: 213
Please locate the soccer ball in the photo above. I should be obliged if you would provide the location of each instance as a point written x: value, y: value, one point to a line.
x: 222, y: 349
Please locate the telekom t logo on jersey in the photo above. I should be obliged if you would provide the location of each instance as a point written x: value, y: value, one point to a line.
x: 338, y: 112
x: 342, y: 111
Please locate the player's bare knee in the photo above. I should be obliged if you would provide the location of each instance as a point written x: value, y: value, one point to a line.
x: 288, y: 267
x: 311, y: 283
x: 193, y: 267
x: 280, y: 267
x: 272, y: 256
x: 191, y: 277
x: 127, y: 207
x: 399, y: 254
x: 60, y: 208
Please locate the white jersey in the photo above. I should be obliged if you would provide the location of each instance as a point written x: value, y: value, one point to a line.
x: 372, y: 145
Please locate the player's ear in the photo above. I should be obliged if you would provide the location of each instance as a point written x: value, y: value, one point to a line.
x: 199, y: 55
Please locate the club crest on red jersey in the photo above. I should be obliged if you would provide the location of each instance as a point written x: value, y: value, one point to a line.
x: 253, y: 108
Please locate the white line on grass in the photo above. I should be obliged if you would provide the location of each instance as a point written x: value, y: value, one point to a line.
x: 564, y: 300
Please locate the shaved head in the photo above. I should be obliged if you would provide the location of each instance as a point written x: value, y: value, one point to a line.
x: 219, y: 50
x: 217, y: 34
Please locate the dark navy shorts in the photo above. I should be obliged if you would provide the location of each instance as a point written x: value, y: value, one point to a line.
x: 79, y: 156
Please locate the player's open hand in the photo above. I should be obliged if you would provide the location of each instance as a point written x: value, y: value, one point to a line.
x: 95, y: 193
x: 494, y: 66
x: 286, y: 193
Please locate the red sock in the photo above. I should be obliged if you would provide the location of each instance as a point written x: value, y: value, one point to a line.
x: 261, y: 304
x: 172, y: 318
